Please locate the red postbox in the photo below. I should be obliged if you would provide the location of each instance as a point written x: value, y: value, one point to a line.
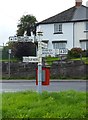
x: 45, y: 76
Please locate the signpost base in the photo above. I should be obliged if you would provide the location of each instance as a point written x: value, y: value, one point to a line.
x: 39, y: 78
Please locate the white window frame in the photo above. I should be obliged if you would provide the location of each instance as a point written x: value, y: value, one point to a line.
x: 59, y: 45
x: 58, y: 28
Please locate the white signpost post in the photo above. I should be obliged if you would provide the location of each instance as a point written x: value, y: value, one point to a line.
x: 40, y: 62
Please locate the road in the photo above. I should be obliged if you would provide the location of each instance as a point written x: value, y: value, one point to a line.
x: 55, y: 85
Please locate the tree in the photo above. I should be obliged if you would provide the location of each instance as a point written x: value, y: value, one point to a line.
x: 5, y: 52
x: 20, y: 49
x: 26, y: 25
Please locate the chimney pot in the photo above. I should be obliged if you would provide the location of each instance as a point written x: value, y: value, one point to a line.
x: 78, y: 3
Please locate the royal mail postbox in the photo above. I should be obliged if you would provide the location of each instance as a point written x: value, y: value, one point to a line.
x: 45, y: 76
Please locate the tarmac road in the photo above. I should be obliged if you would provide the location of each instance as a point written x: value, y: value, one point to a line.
x: 55, y: 85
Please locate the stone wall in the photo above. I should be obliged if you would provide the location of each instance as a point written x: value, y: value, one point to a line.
x: 59, y: 69
x: 19, y: 70
x: 70, y: 69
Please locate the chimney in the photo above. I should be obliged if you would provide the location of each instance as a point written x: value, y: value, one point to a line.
x: 78, y: 3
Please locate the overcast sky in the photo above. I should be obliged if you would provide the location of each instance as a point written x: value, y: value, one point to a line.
x: 12, y: 10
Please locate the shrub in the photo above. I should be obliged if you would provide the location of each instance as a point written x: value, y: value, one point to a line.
x: 75, y: 53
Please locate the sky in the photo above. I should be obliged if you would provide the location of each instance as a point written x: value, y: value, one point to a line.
x: 12, y: 10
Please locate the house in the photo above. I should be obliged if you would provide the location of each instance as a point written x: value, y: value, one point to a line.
x: 67, y: 29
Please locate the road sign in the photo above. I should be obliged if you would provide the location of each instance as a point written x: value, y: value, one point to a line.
x: 21, y: 39
x: 9, y: 51
x: 30, y: 59
x: 42, y: 44
x: 61, y: 51
x: 53, y: 52
x: 47, y: 52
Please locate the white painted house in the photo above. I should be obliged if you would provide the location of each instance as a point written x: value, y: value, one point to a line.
x: 67, y: 29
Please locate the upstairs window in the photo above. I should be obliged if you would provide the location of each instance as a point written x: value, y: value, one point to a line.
x: 57, y: 28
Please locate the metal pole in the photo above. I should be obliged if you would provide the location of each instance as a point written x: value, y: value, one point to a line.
x: 9, y: 61
x: 39, y: 78
x: 39, y: 64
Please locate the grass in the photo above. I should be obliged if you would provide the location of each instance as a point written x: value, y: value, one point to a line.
x: 50, y: 60
x: 7, y: 60
x: 84, y: 59
x: 67, y: 104
x: 0, y: 106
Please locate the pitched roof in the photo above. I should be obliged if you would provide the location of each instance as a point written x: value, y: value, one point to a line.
x: 70, y: 15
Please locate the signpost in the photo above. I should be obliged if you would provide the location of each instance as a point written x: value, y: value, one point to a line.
x: 33, y: 58
x: 44, y: 45
x: 20, y: 39
x: 62, y: 51
x: 42, y: 52
x: 30, y: 59
x: 39, y: 63
x: 48, y: 52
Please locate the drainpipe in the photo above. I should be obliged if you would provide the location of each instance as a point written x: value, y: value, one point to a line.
x: 73, y: 35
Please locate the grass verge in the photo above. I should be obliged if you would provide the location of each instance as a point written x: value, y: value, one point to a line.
x: 50, y: 60
x: 84, y: 59
x: 67, y: 104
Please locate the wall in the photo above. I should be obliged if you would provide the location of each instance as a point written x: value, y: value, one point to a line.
x: 48, y: 34
x: 79, y: 34
x: 69, y: 69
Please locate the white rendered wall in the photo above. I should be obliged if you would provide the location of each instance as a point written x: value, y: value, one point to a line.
x: 48, y: 34
x: 79, y: 34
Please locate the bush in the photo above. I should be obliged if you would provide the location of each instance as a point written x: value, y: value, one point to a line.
x: 75, y: 53
x: 5, y: 52
x: 21, y: 49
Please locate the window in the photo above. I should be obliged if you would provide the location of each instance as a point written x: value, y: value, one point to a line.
x: 87, y: 45
x: 84, y: 44
x: 59, y: 44
x: 86, y: 26
x: 57, y: 28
